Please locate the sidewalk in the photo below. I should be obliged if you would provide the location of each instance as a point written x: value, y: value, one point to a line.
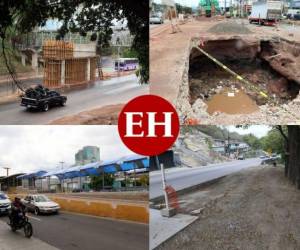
x: 13, y: 241
x: 163, y: 228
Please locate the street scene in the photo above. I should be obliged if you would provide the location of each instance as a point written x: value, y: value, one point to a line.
x: 73, y: 63
x: 227, y: 187
x: 227, y: 62
x: 71, y: 187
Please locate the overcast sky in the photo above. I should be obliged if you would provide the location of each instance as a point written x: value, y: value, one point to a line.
x: 189, y: 3
x: 31, y: 148
x: 257, y: 130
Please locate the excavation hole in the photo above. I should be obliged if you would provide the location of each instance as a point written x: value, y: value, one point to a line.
x: 223, y: 92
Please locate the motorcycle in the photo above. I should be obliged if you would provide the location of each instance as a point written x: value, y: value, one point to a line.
x: 22, y: 222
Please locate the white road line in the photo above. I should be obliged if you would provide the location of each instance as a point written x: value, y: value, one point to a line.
x: 31, y: 217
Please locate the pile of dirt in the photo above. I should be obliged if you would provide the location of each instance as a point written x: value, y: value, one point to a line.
x: 107, y: 115
x: 256, y: 208
x: 229, y: 27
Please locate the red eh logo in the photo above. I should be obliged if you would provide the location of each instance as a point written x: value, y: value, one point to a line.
x: 148, y: 125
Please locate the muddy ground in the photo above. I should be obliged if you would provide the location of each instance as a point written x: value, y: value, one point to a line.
x: 169, y: 72
x: 256, y: 208
x: 107, y: 115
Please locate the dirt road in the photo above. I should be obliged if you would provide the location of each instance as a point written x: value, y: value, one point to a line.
x: 255, y: 209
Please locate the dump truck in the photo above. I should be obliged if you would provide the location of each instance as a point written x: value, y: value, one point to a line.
x: 266, y: 12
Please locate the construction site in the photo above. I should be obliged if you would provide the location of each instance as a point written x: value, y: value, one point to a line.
x: 87, y: 84
x: 224, y: 69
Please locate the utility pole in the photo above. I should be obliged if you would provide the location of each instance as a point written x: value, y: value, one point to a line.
x: 7, y: 170
x: 62, y: 164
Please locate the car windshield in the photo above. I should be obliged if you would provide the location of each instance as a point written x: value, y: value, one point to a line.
x: 41, y: 198
x: 3, y: 197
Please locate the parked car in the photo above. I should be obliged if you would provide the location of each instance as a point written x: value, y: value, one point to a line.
x: 155, y: 19
x: 40, y: 204
x: 263, y: 157
x: 5, y: 203
x: 241, y: 157
x: 42, y: 98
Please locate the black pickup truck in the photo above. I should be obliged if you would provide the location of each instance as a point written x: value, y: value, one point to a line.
x: 42, y: 98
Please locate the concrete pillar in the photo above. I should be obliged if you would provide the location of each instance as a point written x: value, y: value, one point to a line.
x: 23, y: 58
x: 63, y: 69
x: 88, y: 69
x: 34, y: 60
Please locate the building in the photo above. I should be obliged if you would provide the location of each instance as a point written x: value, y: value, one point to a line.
x: 87, y: 155
x: 128, y: 170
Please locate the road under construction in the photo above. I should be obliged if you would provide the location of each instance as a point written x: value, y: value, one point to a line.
x: 75, y: 70
x: 228, y: 71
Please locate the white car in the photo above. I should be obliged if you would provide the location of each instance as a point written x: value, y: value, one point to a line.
x: 5, y: 203
x: 38, y: 203
x: 156, y: 20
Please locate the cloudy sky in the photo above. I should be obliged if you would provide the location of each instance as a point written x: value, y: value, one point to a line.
x: 189, y: 3
x: 30, y: 148
x: 257, y: 130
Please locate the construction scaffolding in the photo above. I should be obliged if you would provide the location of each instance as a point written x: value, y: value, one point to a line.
x: 62, y: 68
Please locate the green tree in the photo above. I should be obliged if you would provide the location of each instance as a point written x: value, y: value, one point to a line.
x: 252, y: 141
x: 97, y: 181
x: 273, y: 142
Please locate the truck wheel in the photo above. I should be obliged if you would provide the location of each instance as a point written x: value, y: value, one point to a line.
x: 46, y: 107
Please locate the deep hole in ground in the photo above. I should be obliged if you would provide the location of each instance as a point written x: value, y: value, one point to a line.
x: 222, y: 92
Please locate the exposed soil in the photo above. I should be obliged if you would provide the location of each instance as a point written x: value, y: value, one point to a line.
x: 254, y: 61
x: 256, y: 208
x: 229, y: 27
x: 107, y: 115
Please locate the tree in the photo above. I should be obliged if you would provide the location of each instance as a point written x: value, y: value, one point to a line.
x: 80, y: 16
x: 97, y: 181
x: 290, y: 141
x: 293, y: 155
x: 252, y: 141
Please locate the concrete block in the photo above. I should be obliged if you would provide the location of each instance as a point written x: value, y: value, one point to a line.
x: 168, y: 212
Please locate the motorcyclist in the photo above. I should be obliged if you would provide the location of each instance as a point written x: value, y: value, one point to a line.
x: 17, y: 210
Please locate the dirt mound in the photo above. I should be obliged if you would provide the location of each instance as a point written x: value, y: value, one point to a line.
x: 107, y: 115
x: 229, y: 27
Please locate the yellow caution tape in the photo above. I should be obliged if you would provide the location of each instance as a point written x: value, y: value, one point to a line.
x: 263, y: 94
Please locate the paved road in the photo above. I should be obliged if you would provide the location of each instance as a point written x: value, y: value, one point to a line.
x: 114, y: 91
x: 187, y: 177
x: 73, y: 232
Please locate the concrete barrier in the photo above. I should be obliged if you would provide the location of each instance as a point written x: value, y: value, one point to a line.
x: 112, y: 209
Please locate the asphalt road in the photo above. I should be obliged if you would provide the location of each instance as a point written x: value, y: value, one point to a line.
x: 183, y: 178
x: 113, y: 91
x: 73, y: 232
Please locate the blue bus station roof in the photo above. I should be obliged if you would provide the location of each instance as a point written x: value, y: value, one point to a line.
x: 95, y: 168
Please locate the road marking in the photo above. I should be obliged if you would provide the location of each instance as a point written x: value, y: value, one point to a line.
x: 31, y: 217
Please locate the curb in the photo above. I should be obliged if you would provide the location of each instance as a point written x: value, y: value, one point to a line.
x: 188, y: 189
